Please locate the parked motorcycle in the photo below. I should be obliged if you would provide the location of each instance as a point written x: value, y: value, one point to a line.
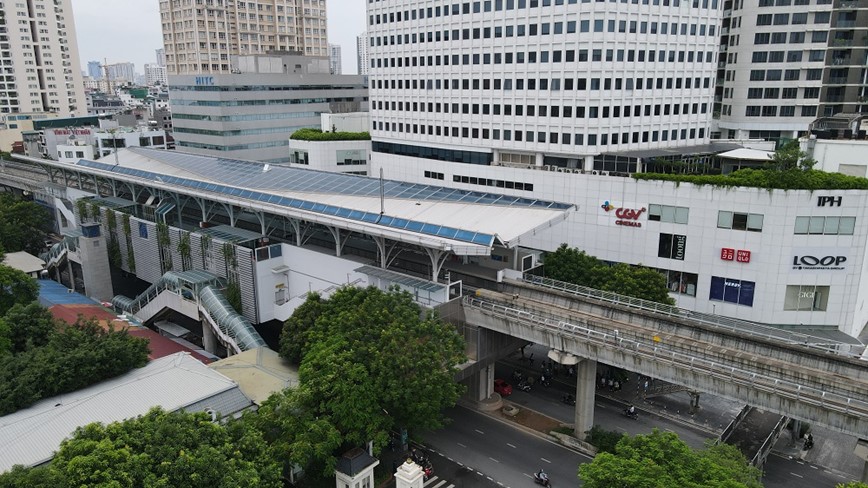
x: 545, y: 380
x: 428, y: 471
x: 523, y: 386
x: 541, y: 478
x: 568, y: 399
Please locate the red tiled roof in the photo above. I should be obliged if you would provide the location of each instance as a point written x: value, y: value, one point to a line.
x: 162, y: 346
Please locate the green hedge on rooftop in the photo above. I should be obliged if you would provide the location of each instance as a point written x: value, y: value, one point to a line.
x: 791, y: 179
x: 318, y: 135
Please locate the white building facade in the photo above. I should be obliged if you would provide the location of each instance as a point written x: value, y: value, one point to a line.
x: 155, y: 74
x: 774, y: 54
x: 250, y: 115
x: 40, y: 63
x: 565, y: 79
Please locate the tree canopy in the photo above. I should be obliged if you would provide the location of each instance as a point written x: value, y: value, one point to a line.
x: 45, y: 357
x: 575, y: 266
x: 662, y: 460
x: 158, y: 449
x: 23, y: 224
x: 16, y: 288
x: 370, y: 362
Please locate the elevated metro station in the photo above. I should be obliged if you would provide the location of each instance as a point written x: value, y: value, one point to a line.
x: 274, y: 233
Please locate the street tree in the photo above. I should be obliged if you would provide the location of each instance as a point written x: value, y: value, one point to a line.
x: 852, y: 484
x: 16, y: 288
x: 662, y: 460
x: 577, y: 267
x: 296, y: 330
x: 29, y: 326
x: 158, y: 449
x: 372, y: 362
x: 23, y: 224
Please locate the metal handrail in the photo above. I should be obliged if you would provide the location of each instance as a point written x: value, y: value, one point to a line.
x: 717, y: 321
x: 806, y: 394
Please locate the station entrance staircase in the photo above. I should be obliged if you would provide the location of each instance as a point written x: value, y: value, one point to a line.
x: 197, y: 295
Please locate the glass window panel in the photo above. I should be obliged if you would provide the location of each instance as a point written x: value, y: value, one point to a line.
x: 739, y: 221
x: 668, y: 214
x: 654, y: 212
x: 816, y: 225
x: 802, y: 225
x: 831, y: 226
x: 681, y: 214
x: 846, y: 226
x: 724, y: 219
x: 755, y: 222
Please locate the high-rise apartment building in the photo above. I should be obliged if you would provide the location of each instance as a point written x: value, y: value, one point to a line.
x: 362, y: 53
x: 581, y: 84
x: 773, y: 53
x: 335, y: 59
x: 94, y: 69
x: 122, y: 72
x: 161, y: 57
x: 39, y: 52
x: 155, y: 74
x: 204, y: 37
x: 845, y: 78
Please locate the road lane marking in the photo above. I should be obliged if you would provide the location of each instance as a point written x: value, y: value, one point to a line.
x: 481, y: 432
x: 438, y: 485
x: 489, y: 478
x: 546, y: 460
x: 621, y: 429
x: 529, y: 476
x: 495, y: 460
x: 797, y: 475
x: 510, y: 445
x: 480, y: 473
x: 460, y: 444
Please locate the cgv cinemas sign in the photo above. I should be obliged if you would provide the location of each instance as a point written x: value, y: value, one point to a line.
x: 819, y: 259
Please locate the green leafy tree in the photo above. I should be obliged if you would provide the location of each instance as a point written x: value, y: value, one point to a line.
x: 158, y: 449
x: 295, y: 336
x: 662, y: 460
x: 852, y: 484
x: 23, y: 224
x: 790, y: 156
x: 30, y: 326
x: 575, y: 266
x: 371, y: 362
x: 61, y: 360
x: 16, y: 288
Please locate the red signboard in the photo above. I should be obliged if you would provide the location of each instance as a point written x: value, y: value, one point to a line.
x: 730, y: 254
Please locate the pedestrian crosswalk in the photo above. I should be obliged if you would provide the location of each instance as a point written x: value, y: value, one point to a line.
x: 440, y: 483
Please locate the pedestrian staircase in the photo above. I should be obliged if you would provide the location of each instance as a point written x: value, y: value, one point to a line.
x: 662, y: 388
x: 195, y: 294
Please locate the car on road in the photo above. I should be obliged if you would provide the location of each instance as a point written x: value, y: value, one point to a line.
x: 502, y: 387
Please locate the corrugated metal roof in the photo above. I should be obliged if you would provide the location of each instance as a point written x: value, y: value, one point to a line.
x: 24, y: 261
x: 32, y: 435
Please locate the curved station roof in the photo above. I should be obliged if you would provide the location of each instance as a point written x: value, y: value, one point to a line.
x: 466, y: 222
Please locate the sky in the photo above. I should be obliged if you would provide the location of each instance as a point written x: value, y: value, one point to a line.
x: 129, y: 30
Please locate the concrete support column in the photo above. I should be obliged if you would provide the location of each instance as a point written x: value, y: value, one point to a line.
x: 209, y: 340
x: 589, y: 163
x: 71, y: 275
x: 485, y: 380
x: 540, y: 160
x: 694, y: 401
x: 586, y: 378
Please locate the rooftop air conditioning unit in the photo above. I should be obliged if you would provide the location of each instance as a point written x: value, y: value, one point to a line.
x: 561, y: 170
x: 595, y: 172
x: 604, y: 173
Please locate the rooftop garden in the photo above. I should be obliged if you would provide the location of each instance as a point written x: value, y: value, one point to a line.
x: 320, y: 136
x: 789, y: 169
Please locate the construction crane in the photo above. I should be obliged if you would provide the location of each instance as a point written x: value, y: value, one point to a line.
x: 105, y: 69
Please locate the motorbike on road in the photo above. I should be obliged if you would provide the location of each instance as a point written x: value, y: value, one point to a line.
x: 568, y: 399
x: 541, y: 478
x: 523, y: 386
x: 631, y: 412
